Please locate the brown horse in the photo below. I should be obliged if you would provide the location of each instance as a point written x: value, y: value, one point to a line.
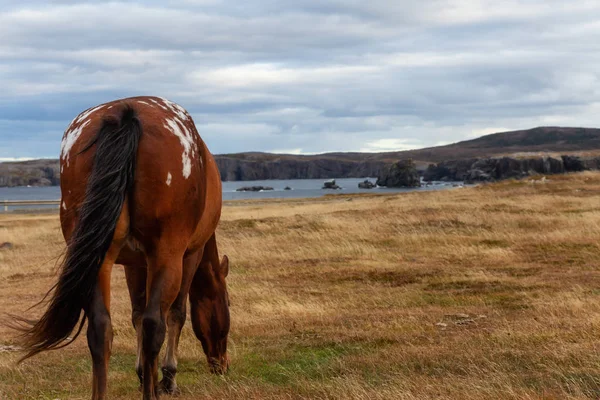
x: 139, y: 188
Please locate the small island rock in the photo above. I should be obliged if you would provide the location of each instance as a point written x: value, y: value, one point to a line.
x: 330, y: 185
x: 367, y: 184
x: 254, y: 188
x: 401, y: 174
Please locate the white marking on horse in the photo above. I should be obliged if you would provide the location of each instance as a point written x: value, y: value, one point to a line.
x: 69, y: 140
x: 187, y: 142
x: 160, y: 105
x: 73, y: 133
x: 143, y: 102
x: 169, y: 177
x: 176, y: 108
x: 64, y: 206
x: 83, y: 116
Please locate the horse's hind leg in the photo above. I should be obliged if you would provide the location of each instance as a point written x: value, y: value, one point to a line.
x: 136, y: 283
x: 175, y: 323
x: 99, y: 332
x: 163, y: 286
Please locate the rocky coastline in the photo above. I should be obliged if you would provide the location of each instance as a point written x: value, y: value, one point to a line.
x: 403, y: 173
x: 499, y: 168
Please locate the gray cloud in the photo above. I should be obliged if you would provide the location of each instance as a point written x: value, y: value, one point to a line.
x: 311, y: 76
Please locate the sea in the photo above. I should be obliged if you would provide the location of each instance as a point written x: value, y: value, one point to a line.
x: 300, y: 188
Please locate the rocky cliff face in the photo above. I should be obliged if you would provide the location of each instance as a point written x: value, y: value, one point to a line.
x: 234, y: 169
x: 34, y: 173
x: 46, y: 172
x: 498, y: 168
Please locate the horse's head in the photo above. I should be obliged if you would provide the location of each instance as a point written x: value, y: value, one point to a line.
x: 210, y: 318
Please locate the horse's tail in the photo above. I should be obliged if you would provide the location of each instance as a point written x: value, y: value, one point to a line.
x: 109, y: 184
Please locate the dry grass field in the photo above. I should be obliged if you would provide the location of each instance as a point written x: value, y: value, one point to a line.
x: 478, y: 293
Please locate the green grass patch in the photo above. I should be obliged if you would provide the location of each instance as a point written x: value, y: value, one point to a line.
x: 292, y: 364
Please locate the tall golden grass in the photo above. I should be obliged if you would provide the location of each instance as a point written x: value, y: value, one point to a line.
x: 479, y: 293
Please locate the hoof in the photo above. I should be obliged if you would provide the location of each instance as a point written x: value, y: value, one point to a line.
x: 219, y: 366
x: 218, y: 370
x: 168, y: 387
x: 140, y: 375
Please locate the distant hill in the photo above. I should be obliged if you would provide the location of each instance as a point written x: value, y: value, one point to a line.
x: 541, y: 139
x: 256, y: 165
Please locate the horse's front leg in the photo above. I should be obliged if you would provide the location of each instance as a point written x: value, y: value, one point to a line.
x: 175, y: 322
x: 165, y: 273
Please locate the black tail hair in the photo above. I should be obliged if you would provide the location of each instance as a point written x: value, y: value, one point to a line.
x: 110, y: 183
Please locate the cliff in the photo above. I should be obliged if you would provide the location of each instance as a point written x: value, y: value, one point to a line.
x: 34, y: 173
x: 236, y: 169
x: 499, y: 168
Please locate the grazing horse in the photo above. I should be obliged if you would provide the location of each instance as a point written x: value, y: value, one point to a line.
x: 139, y: 188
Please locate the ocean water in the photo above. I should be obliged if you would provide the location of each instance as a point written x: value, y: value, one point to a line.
x: 301, y: 188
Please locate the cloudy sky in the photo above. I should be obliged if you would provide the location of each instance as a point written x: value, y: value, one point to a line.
x: 303, y: 76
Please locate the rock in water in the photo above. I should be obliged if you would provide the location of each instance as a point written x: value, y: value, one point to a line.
x: 254, y: 188
x: 367, y: 184
x: 401, y: 174
x: 330, y: 185
x: 287, y: 188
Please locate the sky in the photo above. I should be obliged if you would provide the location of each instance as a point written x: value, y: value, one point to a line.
x: 302, y: 76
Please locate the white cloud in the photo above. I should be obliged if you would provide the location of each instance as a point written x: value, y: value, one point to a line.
x: 289, y: 151
x: 258, y: 75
